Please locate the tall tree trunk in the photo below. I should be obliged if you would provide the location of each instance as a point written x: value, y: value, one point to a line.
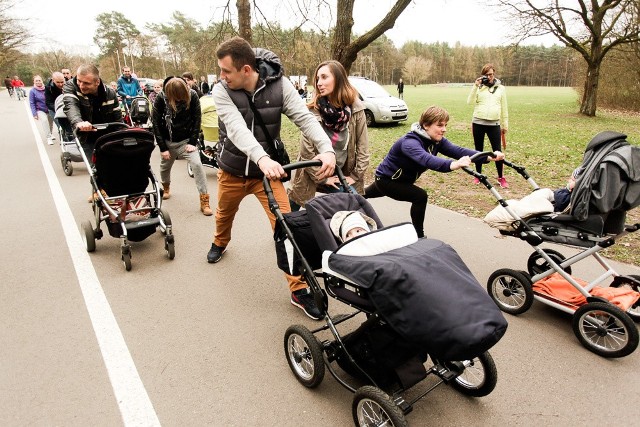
x: 590, y: 94
x: 244, y: 20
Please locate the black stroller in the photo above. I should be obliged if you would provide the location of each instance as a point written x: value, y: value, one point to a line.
x: 68, y: 144
x: 121, y: 199
x: 400, y: 284
x: 607, y: 188
x: 208, y: 141
x: 138, y: 113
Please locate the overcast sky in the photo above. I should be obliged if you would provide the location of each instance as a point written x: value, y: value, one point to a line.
x: 72, y: 25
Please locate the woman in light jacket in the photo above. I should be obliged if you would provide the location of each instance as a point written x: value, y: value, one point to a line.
x: 336, y: 105
x: 490, y: 116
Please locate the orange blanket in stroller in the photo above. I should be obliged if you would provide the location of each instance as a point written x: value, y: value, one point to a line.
x: 556, y: 286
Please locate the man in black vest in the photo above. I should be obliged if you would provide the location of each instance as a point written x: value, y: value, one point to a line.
x: 255, y: 76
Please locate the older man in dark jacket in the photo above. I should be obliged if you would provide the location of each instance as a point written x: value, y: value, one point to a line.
x: 88, y: 101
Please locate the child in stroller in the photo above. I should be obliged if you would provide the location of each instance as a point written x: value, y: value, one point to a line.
x: 607, y: 186
x: 397, y: 281
x: 121, y: 198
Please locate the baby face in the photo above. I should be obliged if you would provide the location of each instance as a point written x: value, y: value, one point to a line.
x: 354, y: 232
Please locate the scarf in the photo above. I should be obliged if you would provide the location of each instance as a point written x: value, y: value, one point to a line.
x: 333, y: 118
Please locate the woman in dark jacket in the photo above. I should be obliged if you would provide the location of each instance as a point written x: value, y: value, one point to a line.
x: 413, y: 154
x: 176, y: 125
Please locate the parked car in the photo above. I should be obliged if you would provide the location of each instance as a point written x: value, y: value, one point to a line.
x: 380, y: 106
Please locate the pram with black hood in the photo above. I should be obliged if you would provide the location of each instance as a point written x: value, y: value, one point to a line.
x: 607, y: 187
x: 121, y: 197
x: 419, y: 299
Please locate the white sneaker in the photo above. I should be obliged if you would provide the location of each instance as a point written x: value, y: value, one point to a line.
x: 50, y: 140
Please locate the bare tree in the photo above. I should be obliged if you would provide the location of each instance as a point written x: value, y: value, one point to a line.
x: 13, y: 36
x: 345, y: 50
x: 416, y: 70
x: 592, y: 28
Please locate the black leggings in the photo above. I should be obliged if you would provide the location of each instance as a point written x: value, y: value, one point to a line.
x: 493, y: 132
x: 403, y: 192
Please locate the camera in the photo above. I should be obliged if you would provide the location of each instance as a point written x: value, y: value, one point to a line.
x: 484, y: 80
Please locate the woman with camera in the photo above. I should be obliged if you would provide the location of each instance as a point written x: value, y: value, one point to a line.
x: 490, y: 116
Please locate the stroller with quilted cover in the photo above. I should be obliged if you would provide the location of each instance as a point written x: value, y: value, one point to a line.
x: 609, y: 186
x: 122, y: 197
x: 400, y: 284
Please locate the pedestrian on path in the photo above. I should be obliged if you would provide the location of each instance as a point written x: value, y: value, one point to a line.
x: 39, y: 110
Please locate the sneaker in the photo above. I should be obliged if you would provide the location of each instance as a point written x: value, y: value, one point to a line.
x: 50, y: 140
x: 215, y: 253
x: 503, y: 182
x: 303, y: 299
x: 476, y: 181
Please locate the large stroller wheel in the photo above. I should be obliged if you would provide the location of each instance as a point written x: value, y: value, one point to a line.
x: 304, y: 355
x: 88, y: 236
x: 605, y: 329
x: 166, y: 218
x: 125, y: 251
x: 511, y: 290
x: 479, y: 377
x: 634, y: 310
x: 190, y: 170
x: 169, y: 246
x: 67, y: 167
x: 373, y: 407
x: 536, y: 264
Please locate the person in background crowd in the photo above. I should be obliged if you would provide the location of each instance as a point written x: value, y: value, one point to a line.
x: 252, y: 86
x: 66, y: 73
x: 53, y: 89
x: 490, y: 116
x: 128, y: 86
x: 192, y: 83
x: 204, y: 85
x: 415, y: 153
x: 340, y: 112
x: 176, y: 120
x: 18, y: 87
x: 7, y: 84
x: 157, y: 88
x: 39, y: 110
x: 400, y: 89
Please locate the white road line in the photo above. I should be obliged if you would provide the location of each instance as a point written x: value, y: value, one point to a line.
x: 135, y: 406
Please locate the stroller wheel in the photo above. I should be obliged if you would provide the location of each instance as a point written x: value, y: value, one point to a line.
x: 373, y: 407
x: 190, y: 170
x: 634, y: 311
x: 88, y: 236
x: 536, y: 264
x: 605, y: 329
x: 479, y: 377
x: 511, y: 290
x: 304, y: 355
x: 169, y: 246
x: 167, y: 221
x: 126, y: 257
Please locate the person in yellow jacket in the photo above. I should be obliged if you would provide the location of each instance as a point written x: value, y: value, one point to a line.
x: 490, y: 116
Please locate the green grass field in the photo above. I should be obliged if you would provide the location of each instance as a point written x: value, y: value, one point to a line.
x: 546, y: 135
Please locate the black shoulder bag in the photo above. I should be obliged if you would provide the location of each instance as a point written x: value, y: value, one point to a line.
x: 282, y: 156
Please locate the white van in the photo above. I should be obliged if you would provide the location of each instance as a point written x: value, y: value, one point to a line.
x: 380, y: 106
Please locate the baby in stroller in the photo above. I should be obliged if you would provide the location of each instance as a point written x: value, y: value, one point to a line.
x: 401, y: 283
x: 607, y: 185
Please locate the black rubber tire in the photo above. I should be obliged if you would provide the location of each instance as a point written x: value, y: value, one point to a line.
x: 511, y: 290
x: 634, y: 311
x: 304, y: 355
x: 370, y: 120
x: 479, y: 378
x: 126, y: 258
x: 170, y: 247
x: 536, y: 264
x: 605, y: 329
x: 166, y: 218
x: 373, y: 407
x: 89, y: 236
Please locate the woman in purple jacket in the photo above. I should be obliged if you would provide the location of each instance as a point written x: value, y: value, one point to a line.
x: 39, y: 110
x: 413, y: 154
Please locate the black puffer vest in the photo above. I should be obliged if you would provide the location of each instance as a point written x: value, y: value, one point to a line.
x: 268, y: 100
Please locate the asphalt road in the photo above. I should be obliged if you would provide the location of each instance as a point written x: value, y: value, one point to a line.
x: 185, y: 343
